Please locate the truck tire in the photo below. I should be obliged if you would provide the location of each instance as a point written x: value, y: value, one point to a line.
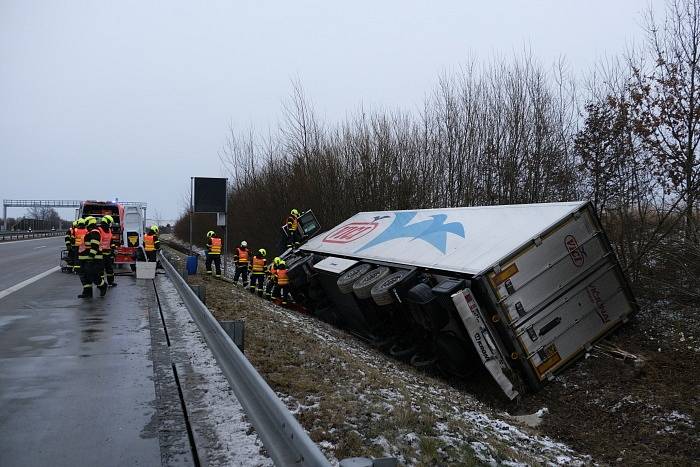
x: 363, y: 286
x: 346, y: 280
x: 382, y: 290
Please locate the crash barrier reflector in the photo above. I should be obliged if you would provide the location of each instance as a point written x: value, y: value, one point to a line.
x: 8, y: 236
x: 284, y: 438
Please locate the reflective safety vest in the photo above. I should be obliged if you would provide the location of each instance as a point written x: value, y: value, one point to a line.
x: 242, y: 255
x: 105, y: 240
x: 149, y: 242
x: 80, y: 233
x: 215, y: 247
x: 258, y: 265
x: 282, y: 278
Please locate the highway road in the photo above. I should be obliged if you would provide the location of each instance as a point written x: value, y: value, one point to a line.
x: 25, y: 259
x: 94, y: 382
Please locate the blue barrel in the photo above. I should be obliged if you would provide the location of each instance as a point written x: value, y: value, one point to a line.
x: 191, y: 265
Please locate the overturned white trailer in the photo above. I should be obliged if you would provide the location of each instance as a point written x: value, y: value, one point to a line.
x: 525, y: 289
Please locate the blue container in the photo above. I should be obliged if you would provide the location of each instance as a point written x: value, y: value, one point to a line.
x: 191, y: 265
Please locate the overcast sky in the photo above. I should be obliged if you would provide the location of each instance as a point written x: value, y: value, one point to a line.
x: 128, y: 99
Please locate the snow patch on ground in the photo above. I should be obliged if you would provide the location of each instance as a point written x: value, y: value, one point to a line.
x: 236, y: 443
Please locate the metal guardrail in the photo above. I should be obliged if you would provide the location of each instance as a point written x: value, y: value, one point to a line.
x: 9, y: 236
x: 284, y: 438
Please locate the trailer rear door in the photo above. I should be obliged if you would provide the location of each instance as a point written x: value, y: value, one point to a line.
x: 561, y: 292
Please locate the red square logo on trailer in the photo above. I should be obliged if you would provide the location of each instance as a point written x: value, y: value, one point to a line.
x: 576, y: 252
x: 350, y: 232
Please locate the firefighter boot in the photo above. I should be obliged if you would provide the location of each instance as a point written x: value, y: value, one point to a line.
x: 87, y: 292
x: 102, y: 287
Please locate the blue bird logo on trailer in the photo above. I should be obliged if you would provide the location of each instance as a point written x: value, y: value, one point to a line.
x: 433, y: 231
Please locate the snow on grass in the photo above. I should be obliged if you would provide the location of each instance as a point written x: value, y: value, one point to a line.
x: 371, y: 402
x: 460, y: 418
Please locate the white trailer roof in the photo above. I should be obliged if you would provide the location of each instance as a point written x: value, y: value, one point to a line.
x: 468, y: 240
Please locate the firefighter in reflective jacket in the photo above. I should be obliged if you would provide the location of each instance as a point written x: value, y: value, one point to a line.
x: 282, y: 282
x: 91, y: 264
x: 271, y: 274
x: 107, y: 248
x: 78, y: 243
x: 257, y: 271
x: 151, y: 244
x: 242, y: 259
x: 70, y: 244
x: 293, y: 237
x: 213, y: 253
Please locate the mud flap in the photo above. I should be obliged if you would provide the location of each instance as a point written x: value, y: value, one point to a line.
x: 490, y: 354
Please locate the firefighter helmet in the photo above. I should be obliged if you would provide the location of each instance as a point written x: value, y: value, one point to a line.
x: 80, y: 221
x: 90, y: 221
x: 75, y: 223
x: 262, y: 251
x: 244, y: 244
x: 108, y: 218
x: 277, y: 260
x: 210, y: 233
x: 154, y: 228
x: 295, y: 212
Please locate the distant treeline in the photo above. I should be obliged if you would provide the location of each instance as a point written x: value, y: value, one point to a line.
x: 507, y: 132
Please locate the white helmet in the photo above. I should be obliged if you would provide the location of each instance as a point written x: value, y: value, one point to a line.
x: 244, y: 243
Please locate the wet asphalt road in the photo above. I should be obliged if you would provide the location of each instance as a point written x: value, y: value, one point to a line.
x: 77, y: 379
x: 21, y: 260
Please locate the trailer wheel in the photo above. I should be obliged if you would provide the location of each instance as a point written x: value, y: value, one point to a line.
x: 381, y: 292
x: 363, y: 286
x: 346, y: 280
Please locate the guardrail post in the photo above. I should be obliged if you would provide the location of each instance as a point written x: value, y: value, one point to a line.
x: 200, y: 291
x: 236, y: 331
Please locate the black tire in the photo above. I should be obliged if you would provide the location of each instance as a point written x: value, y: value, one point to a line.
x: 382, y: 290
x: 362, y: 288
x: 346, y: 280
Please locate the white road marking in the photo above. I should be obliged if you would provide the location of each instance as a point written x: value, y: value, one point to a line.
x: 23, y: 284
x: 12, y: 242
x: 37, y: 247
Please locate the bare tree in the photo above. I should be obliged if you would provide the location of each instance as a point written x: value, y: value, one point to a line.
x: 668, y: 98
